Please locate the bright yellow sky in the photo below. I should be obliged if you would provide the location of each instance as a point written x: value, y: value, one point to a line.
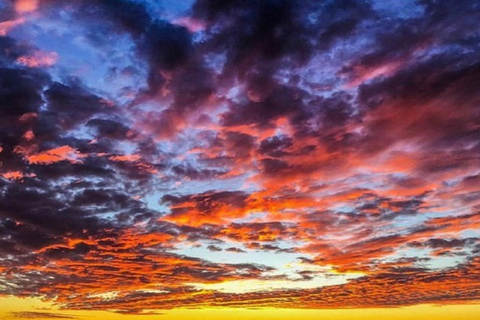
x: 8, y: 306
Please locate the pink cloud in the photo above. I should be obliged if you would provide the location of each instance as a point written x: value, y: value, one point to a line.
x: 39, y: 59
x: 24, y: 6
x: 55, y: 155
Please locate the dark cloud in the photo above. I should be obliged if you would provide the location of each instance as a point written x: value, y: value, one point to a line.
x: 11, y: 50
x: 210, y: 205
x: 72, y: 104
x: 131, y: 16
x: 268, y: 247
x: 214, y: 248
x: 167, y: 46
x: 236, y: 250
x: 276, y: 30
x: 275, y: 146
x: 109, y: 128
x: 283, y: 101
x: 20, y: 91
x: 193, y: 173
x: 239, y: 145
x: 436, y: 243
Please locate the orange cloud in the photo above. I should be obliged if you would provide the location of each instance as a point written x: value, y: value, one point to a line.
x: 16, y: 175
x: 24, y: 6
x: 63, y: 153
x: 126, y: 158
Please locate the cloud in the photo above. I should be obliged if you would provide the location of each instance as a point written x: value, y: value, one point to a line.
x: 150, y: 155
x: 207, y: 207
x: 54, y: 155
x: 38, y: 59
x: 26, y: 5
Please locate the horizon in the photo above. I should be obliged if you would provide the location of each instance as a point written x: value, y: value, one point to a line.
x: 254, y: 159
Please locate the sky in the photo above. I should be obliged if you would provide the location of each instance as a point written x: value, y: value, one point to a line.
x: 250, y: 159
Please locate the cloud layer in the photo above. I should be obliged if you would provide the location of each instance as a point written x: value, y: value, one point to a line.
x: 151, y: 155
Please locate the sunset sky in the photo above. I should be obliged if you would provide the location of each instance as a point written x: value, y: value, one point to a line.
x: 240, y: 159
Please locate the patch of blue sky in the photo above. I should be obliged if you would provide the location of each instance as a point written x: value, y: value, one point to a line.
x: 277, y: 260
x: 153, y: 202
x: 125, y: 147
x: 175, y: 146
x: 287, y: 267
x: 186, y: 140
x: 368, y: 180
x: 99, y: 63
x: 404, y: 252
x: 168, y: 9
x: 235, y: 93
x: 444, y: 262
x: 404, y: 223
x: 200, y: 186
x: 470, y: 233
x: 79, y: 132
x: 198, y: 38
x: 342, y: 208
x: 404, y: 9
x: 253, y: 217
x: 4, y: 4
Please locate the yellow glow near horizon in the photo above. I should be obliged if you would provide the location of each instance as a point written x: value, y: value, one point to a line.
x: 252, y: 285
x: 11, y: 305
